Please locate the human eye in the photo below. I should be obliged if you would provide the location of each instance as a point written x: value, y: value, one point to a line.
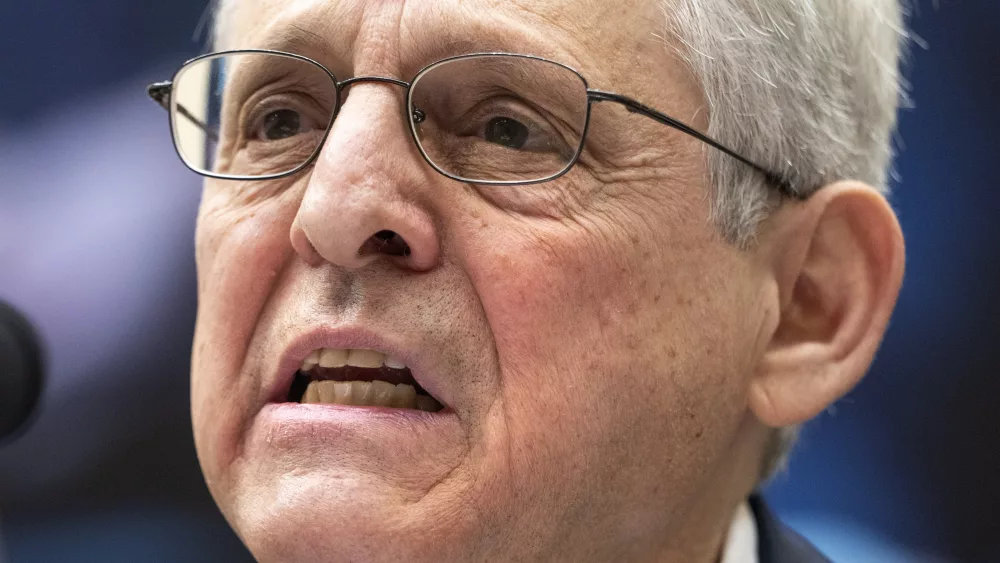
x: 282, y: 118
x: 493, y: 128
x: 280, y: 124
x: 274, y: 131
x: 515, y: 125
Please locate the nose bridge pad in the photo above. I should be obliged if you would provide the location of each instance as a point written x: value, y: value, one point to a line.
x: 385, y: 242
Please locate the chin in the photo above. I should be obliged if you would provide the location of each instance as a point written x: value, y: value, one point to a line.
x: 325, y: 517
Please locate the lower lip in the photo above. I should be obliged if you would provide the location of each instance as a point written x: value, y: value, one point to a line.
x: 350, y: 429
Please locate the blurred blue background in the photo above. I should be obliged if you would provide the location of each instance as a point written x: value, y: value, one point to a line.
x: 96, y: 223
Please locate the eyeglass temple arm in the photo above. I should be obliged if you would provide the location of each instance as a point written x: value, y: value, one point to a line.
x: 160, y: 93
x: 783, y: 185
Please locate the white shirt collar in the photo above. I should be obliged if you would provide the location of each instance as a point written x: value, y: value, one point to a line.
x: 741, y: 541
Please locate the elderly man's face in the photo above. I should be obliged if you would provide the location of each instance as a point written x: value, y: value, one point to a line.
x: 592, y: 338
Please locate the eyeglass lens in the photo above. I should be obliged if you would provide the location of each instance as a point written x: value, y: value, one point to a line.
x: 487, y: 118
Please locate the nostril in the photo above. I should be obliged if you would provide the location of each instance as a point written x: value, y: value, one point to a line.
x: 385, y: 236
x: 385, y: 242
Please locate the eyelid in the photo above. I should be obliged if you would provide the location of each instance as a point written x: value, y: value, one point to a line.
x: 254, y: 110
x: 537, y: 120
x: 250, y: 94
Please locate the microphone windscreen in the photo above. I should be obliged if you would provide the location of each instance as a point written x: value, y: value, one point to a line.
x: 20, y: 370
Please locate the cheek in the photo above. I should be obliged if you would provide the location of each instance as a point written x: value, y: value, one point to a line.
x: 598, y: 296
x: 620, y: 343
x: 239, y: 251
x: 574, y: 321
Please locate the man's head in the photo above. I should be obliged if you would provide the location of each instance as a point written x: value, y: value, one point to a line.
x: 614, y: 348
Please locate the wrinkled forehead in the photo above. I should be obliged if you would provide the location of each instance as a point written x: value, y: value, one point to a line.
x: 587, y: 34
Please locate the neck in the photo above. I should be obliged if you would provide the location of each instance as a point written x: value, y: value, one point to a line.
x: 704, y: 528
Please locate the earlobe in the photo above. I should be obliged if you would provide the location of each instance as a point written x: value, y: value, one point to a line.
x: 838, y: 264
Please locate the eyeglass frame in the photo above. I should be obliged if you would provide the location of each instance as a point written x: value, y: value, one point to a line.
x: 160, y: 92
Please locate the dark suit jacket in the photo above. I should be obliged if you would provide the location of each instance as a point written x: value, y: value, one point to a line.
x: 777, y: 543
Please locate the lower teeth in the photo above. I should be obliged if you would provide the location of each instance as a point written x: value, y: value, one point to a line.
x: 369, y: 394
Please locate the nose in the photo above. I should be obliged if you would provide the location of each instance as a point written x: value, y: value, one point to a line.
x: 366, y: 195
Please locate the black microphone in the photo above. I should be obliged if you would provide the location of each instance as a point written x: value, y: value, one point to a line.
x: 20, y: 370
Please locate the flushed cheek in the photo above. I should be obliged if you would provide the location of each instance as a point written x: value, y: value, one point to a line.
x: 561, y: 293
x: 598, y: 343
x: 568, y: 320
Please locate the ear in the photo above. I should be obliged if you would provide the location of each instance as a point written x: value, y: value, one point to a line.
x: 837, y: 261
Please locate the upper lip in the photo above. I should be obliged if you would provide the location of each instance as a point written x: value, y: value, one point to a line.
x: 349, y: 338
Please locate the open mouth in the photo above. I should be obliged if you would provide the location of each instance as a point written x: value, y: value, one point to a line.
x: 358, y: 378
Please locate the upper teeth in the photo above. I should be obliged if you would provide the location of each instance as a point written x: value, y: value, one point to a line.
x: 335, y: 358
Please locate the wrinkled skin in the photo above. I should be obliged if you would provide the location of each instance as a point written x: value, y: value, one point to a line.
x: 594, y: 335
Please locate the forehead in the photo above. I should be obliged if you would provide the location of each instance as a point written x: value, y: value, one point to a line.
x: 588, y: 34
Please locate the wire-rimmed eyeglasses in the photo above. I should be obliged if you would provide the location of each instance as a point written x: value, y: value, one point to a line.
x: 482, y: 118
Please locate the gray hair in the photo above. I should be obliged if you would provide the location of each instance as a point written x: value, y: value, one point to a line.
x: 808, y: 88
